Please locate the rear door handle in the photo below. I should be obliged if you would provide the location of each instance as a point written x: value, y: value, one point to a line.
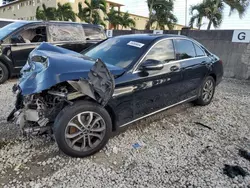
x: 174, y: 68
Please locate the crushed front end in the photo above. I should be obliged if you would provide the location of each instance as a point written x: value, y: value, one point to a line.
x: 34, y: 113
x: 52, y: 79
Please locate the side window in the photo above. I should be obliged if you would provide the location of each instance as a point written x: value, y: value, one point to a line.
x: 93, y: 33
x: 184, y: 49
x: 162, y: 51
x: 66, y: 32
x: 207, y: 52
x: 31, y: 35
x: 199, y: 51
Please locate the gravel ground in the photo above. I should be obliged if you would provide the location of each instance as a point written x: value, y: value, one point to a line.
x: 174, y: 152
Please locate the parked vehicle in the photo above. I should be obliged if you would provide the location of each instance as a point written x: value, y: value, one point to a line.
x: 94, y: 32
x: 4, y: 22
x: 84, y: 97
x: 19, y: 38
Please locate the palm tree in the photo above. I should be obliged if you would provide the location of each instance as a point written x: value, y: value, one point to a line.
x: 213, y: 11
x: 65, y: 12
x: 81, y: 12
x: 151, y: 15
x: 114, y: 18
x: 91, y: 13
x: 198, y: 17
x: 164, y: 15
x: 40, y: 14
x: 47, y: 13
x: 126, y: 21
x: 161, y: 12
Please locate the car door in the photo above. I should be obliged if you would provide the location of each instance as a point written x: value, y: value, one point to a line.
x: 150, y: 90
x: 158, y: 89
x: 194, y: 64
x: 30, y: 38
x: 66, y: 35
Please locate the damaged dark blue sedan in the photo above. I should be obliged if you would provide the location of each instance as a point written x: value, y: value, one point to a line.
x: 82, y: 98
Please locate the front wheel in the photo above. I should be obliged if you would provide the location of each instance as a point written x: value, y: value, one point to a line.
x: 82, y: 129
x: 4, y: 73
x: 206, y: 92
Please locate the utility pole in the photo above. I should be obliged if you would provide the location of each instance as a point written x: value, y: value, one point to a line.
x: 186, y: 13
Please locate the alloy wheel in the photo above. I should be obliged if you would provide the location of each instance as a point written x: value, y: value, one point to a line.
x: 208, y: 91
x: 85, y: 131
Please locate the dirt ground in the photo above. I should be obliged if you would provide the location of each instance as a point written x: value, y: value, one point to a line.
x: 186, y: 146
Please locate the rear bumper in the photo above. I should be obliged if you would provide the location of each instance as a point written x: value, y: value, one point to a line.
x: 219, y: 79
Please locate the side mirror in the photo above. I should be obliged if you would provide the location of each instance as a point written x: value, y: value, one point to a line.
x: 151, y: 64
x: 17, y: 39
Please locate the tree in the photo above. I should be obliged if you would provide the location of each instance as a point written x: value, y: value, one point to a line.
x: 65, y: 12
x: 164, y: 15
x: 126, y: 21
x: 198, y: 16
x: 40, y: 14
x: 213, y: 11
x: 161, y: 12
x: 114, y: 18
x: 81, y: 12
x: 151, y: 15
x: 47, y: 13
x: 62, y: 13
x: 91, y: 13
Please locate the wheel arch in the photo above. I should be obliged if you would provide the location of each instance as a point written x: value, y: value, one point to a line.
x: 108, y: 108
x: 214, y: 76
x: 112, y: 116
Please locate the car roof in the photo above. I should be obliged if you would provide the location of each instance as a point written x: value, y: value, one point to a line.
x: 65, y: 22
x: 150, y: 37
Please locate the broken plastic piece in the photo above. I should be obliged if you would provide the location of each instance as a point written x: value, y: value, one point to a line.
x: 198, y: 123
x: 136, y: 146
x: 245, y: 154
x: 233, y: 171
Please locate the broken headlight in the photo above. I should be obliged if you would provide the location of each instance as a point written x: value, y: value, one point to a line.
x: 40, y: 59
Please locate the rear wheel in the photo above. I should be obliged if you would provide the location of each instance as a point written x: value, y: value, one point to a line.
x: 206, y: 92
x: 4, y: 73
x: 82, y: 129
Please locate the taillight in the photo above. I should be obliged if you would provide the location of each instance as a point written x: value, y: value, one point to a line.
x: 220, y: 62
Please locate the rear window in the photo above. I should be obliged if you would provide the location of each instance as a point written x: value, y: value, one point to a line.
x: 66, y: 32
x: 199, y: 51
x: 94, y: 33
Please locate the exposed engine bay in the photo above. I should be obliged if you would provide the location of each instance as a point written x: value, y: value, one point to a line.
x: 35, y: 113
x: 38, y: 110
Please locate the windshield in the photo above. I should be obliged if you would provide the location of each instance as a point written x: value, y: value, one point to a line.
x: 6, y: 30
x: 119, y: 52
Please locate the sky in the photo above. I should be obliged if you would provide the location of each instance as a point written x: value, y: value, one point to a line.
x: 233, y: 22
x: 140, y: 7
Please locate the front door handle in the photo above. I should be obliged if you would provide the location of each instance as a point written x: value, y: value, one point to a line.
x: 174, y: 68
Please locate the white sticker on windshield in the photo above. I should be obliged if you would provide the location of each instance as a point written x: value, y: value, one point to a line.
x: 135, y: 44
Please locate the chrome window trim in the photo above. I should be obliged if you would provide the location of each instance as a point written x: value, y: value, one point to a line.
x: 135, y: 68
x: 155, y: 112
x: 174, y: 61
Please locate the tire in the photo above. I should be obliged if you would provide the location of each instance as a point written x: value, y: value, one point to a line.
x: 4, y: 73
x: 69, y: 116
x: 209, y: 82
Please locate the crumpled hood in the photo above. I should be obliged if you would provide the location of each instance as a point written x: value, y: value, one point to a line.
x: 49, y: 65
